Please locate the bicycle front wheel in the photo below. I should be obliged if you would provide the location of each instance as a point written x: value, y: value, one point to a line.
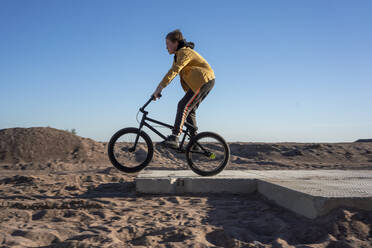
x: 212, y: 156
x: 121, y: 150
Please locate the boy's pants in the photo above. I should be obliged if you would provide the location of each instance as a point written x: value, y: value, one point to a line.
x: 187, y: 106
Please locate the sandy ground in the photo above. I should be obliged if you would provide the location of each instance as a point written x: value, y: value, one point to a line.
x: 100, y: 208
x: 71, y: 201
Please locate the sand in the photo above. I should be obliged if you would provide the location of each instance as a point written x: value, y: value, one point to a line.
x: 76, y: 198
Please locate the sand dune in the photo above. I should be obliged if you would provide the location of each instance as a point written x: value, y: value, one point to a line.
x: 67, y: 194
x: 50, y: 148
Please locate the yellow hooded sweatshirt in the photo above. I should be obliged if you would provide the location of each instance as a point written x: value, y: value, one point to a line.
x: 194, y: 70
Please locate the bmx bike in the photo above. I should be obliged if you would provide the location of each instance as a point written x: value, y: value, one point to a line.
x: 131, y: 149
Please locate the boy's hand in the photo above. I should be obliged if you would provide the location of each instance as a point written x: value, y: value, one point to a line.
x: 157, y: 92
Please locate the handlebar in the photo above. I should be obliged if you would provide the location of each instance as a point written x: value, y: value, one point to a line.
x: 148, y: 101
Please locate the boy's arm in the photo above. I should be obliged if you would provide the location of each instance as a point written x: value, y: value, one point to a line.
x: 182, y: 60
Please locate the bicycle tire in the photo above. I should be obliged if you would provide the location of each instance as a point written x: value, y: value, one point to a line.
x: 118, y: 165
x: 220, y: 167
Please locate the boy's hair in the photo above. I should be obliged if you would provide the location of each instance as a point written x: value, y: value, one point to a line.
x: 175, y: 35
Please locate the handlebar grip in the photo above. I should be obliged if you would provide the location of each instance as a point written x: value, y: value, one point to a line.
x: 153, y: 97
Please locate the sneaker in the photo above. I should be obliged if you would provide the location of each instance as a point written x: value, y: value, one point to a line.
x: 171, y: 141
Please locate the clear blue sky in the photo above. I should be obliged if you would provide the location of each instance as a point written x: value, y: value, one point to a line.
x: 298, y: 71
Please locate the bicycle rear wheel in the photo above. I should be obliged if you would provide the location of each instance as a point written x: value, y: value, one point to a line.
x: 211, y: 158
x: 121, y: 152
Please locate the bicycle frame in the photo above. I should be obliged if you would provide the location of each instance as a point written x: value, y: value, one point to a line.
x: 144, y: 123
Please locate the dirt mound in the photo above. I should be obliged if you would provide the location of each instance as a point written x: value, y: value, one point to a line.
x: 293, y: 155
x: 42, y: 144
x: 40, y: 148
x: 364, y: 140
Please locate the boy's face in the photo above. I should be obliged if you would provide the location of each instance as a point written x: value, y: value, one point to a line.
x: 171, y: 46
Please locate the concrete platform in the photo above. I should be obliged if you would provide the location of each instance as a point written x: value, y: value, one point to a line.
x: 311, y: 193
x: 186, y: 181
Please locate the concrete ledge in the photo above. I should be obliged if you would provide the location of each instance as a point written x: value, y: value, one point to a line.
x: 186, y: 181
x: 316, y: 197
x: 311, y: 193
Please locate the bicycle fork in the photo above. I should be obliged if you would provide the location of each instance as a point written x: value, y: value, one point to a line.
x: 132, y: 149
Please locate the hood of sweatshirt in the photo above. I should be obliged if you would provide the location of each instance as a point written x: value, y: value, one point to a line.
x: 183, y: 43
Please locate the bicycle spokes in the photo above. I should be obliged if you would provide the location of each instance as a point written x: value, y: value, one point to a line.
x: 210, y: 155
x: 125, y: 153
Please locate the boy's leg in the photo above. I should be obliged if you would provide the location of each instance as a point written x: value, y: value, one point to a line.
x: 172, y: 140
x: 183, y: 109
x: 191, y: 118
x: 190, y: 101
